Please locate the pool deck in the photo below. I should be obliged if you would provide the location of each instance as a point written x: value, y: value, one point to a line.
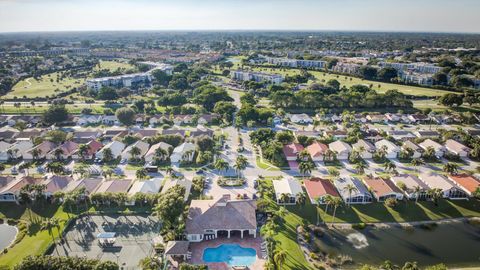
x: 250, y: 242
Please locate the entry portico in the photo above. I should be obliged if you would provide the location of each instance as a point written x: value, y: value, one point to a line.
x: 210, y: 219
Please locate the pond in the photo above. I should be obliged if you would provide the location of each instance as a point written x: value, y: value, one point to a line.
x: 7, y: 235
x: 455, y: 244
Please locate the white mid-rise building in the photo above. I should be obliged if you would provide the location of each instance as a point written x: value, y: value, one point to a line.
x: 256, y: 76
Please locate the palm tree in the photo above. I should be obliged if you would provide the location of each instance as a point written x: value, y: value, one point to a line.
x: 169, y: 170
x: 49, y: 224
x: 329, y: 155
x: 417, y: 190
x: 360, y: 167
x: 221, y: 165
x: 327, y: 199
x: 435, y: 194
x: 389, y: 166
x: 336, y: 202
x: 450, y: 168
x: 141, y: 174
x: 301, y: 198
x: 107, y: 173
x: 306, y: 167
x: 429, y: 152
x: 107, y: 155
x: 333, y: 172
x: 284, y: 198
x: 161, y: 153
x: 303, y: 155
x: 134, y: 152
x: 58, y: 153
x: 150, y: 263
x: 36, y: 153
x: 240, y: 164
x: 350, y: 189
x: 280, y: 257
x: 410, y: 266
x: 417, y: 162
x: 83, y: 150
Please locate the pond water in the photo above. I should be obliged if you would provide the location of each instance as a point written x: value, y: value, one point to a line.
x: 7, y: 235
x: 455, y: 244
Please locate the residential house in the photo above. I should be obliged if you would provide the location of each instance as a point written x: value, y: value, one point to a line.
x: 364, y: 148
x: 11, y: 192
x: 292, y: 150
x: 209, y: 219
x: 16, y: 149
x: 418, y: 118
x: 409, y: 184
x: 287, y: 187
x: 111, y: 133
x: 92, y: 148
x: 149, y: 186
x: 183, y: 182
x: 318, y: 189
x: 150, y: 155
x: 393, y: 117
x: 145, y: 133
x: 376, y: 118
x: 427, y: 134
x: 383, y: 189
x: 416, y: 150
x: 342, y: 149
x: 359, y: 193
x: 301, y: 118
x: 88, y: 184
x: 8, y: 133
x: 201, y: 131
x: 114, y: 186
x: 392, y: 150
x: 85, y: 136
x: 85, y: 120
x: 115, y: 147
x: 67, y: 150
x: 174, y: 131
x: 29, y: 134
x: 401, y: 135
x: 457, y: 148
x: 182, y: 119
x: 110, y: 120
x: 42, y: 150
x: 467, y: 183
x: 206, y: 119
x: 439, y: 149
x: 5, y: 181
x: 56, y: 183
x: 317, y: 151
x: 337, y: 134
x: 183, y: 153
x: 158, y: 119
x: 449, y: 190
x: 143, y: 146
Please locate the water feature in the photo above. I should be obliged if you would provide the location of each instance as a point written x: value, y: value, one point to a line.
x: 231, y: 254
x: 455, y: 244
x: 7, y: 235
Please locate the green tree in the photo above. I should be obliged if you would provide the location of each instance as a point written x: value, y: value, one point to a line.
x: 126, y: 116
x: 55, y: 114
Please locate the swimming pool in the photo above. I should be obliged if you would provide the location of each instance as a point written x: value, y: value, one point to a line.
x: 231, y: 254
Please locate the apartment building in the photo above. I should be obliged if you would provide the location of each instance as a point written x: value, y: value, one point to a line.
x: 257, y: 76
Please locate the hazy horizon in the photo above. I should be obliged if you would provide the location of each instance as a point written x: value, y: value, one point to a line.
x: 437, y: 16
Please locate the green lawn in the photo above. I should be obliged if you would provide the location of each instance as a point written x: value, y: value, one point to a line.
x: 27, y: 108
x: 48, y: 86
x: 348, y: 81
x: 433, y: 104
x: 45, y: 86
x: 36, y: 241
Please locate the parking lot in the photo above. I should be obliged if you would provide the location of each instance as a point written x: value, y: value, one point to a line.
x: 133, y: 239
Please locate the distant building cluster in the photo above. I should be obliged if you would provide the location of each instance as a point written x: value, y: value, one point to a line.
x: 423, y: 68
x: 56, y: 51
x: 294, y: 63
x: 240, y: 75
x: 129, y: 80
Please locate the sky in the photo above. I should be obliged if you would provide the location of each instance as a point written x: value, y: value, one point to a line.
x: 345, y: 15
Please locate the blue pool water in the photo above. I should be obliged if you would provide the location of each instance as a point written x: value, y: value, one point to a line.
x: 231, y: 254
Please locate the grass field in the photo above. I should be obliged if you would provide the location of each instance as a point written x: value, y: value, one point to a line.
x: 348, y: 81
x: 433, y: 104
x: 48, y: 86
x: 36, y: 241
x: 27, y: 108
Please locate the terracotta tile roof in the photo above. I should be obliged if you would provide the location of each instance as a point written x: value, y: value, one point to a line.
x: 381, y: 187
x: 93, y: 147
x: 317, y: 149
x: 15, y: 186
x: 222, y: 214
x: 292, y: 149
x: 467, y: 182
x: 318, y: 187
